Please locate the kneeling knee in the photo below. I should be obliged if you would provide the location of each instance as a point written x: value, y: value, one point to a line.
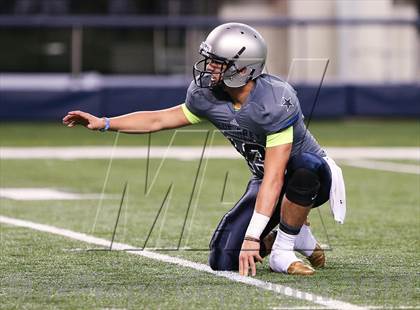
x: 221, y: 260
x: 303, y: 187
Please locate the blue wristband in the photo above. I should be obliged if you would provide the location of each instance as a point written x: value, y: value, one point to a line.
x: 107, y: 124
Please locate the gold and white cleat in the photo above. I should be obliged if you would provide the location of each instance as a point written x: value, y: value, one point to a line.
x: 317, y: 258
x: 300, y: 269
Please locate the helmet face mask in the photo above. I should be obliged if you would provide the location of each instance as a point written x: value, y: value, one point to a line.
x: 209, y: 72
x: 233, y: 54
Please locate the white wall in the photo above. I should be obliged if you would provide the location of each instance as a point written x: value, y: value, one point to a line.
x: 311, y: 47
x: 359, y: 53
x: 276, y: 38
x: 377, y: 53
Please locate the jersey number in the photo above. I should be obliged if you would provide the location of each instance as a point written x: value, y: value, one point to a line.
x: 253, y: 153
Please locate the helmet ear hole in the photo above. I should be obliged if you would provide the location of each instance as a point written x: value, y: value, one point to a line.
x: 242, y: 71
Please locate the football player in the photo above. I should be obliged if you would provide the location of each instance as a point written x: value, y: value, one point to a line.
x: 261, y: 117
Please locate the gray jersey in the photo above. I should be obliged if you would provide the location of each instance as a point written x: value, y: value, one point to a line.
x: 271, y: 107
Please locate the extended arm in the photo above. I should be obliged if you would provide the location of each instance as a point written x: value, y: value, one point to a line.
x: 275, y: 162
x: 274, y: 166
x: 137, y: 122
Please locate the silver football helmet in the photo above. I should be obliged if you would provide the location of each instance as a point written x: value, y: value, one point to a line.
x: 240, y: 50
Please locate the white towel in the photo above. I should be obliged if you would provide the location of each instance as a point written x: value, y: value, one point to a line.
x: 337, y: 191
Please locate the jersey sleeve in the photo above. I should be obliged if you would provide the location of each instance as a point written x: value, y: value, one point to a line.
x: 279, y: 138
x: 277, y: 110
x: 191, y: 117
x: 192, y: 103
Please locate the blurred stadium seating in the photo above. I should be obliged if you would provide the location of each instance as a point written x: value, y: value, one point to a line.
x: 121, y: 56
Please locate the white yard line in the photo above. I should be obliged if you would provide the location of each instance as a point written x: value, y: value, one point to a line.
x: 380, y: 165
x: 367, y: 307
x: 277, y: 288
x: 42, y: 193
x: 103, y: 152
x: 360, y: 157
x: 189, y: 153
x: 298, y: 308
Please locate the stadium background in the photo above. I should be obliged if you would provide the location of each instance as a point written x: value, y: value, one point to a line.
x: 115, y: 56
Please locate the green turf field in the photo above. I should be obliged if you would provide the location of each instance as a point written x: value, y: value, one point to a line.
x: 373, y: 258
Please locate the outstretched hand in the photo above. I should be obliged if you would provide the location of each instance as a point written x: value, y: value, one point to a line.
x: 250, y: 254
x: 90, y: 121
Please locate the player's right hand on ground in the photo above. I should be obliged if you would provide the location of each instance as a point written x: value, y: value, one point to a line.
x: 90, y: 121
x: 249, y: 255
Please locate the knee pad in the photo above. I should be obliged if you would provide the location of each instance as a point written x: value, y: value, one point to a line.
x: 303, y: 187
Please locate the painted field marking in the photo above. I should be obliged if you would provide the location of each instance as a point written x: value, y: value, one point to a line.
x: 190, y: 153
x: 43, y: 193
x: 367, y: 307
x: 277, y: 288
x: 383, y: 166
